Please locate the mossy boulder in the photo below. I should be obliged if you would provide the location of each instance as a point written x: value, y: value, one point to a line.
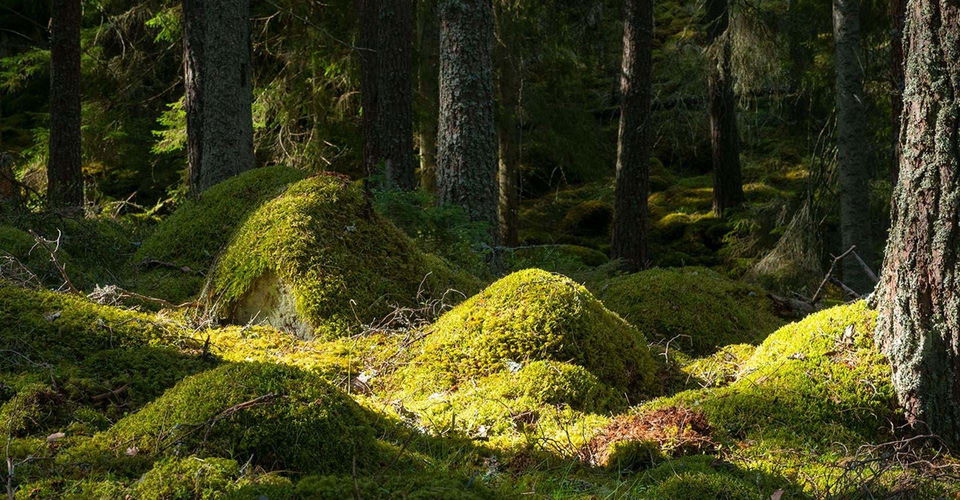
x: 318, y: 260
x: 278, y: 417
x: 533, y: 315
x: 172, y: 261
x: 695, y: 309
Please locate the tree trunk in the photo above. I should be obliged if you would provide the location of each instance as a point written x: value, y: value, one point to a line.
x: 368, y: 13
x: 853, y: 150
x: 629, y: 242
x: 467, y: 149
x: 428, y: 92
x: 897, y: 13
x: 724, y: 141
x: 919, y: 292
x: 219, y: 90
x: 394, y: 116
x: 508, y: 129
x: 64, y: 177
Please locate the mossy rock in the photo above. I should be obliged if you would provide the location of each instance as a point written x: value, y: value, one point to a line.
x: 319, y: 261
x: 189, y: 240
x: 695, y: 309
x: 590, y: 218
x: 45, y: 328
x: 811, y: 385
x: 278, y: 417
x: 533, y: 315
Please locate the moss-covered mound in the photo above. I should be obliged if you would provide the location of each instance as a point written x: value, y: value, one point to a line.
x: 695, y: 309
x: 278, y: 417
x: 530, y: 316
x: 563, y: 259
x: 172, y: 261
x: 318, y: 260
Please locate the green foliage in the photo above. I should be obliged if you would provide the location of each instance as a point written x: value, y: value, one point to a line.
x: 321, y: 246
x: 278, y: 417
x: 529, y: 316
x: 694, y: 309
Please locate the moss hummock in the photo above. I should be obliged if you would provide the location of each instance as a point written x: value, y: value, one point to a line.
x: 319, y: 261
x: 192, y: 237
x: 281, y: 418
x: 533, y: 315
x: 695, y: 309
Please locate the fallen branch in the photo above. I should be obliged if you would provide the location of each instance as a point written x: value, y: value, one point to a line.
x: 833, y: 265
x: 45, y: 244
x: 113, y: 294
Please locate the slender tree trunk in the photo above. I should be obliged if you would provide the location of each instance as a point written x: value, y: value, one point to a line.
x: 428, y: 92
x: 724, y: 140
x: 467, y: 149
x: 629, y: 242
x: 919, y: 291
x: 897, y: 13
x: 508, y: 129
x: 853, y: 149
x: 64, y: 177
x: 394, y: 115
x: 369, y: 17
x: 217, y: 77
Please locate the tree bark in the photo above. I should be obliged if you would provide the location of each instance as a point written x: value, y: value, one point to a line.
x: 217, y: 77
x: 853, y: 150
x: 64, y: 176
x: 428, y: 92
x: 897, y: 13
x: 508, y: 130
x: 724, y: 140
x: 394, y: 117
x: 919, y: 292
x: 369, y: 18
x: 630, y: 225
x: 467, y: 149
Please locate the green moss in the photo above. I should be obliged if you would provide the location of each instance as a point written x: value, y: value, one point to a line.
x: 318, y: 260
x: 528, y: 316
x: 23, y: 247
x: 195, y: 233
x: 278, y: 417
x: 563, y: 259
x: 633, y: 455
x: 420, y: 486
x: 590, y: 218
x: 188, y: 478
x: 704, y: 486
x: 695, y: 309
x: 700, y: 476
x: 720, y: 367
x: 24, y: 410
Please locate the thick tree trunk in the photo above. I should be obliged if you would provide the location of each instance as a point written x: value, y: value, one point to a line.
x: 853, y: 150
x: 467, y: 149
x: 919, y: 292
x: 369, y: 17
x: 394, y: 115
x: 629, y: 242
x: 428, y: 92
x: 897, y: 13
x: 217, y: 77
x: 508, y: 129
x: 724, y: 140
x: 64, y: 177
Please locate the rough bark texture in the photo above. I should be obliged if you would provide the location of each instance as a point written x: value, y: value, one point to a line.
x: 509, y: 87
x: 853, y: 150
x: 394, y: 117
x: 629, y: 242
x: 919, y: 292
x: 724, y: 140
x: 428, y: 44
x: 467, y: 149
x: 217, y: 77
x: 64, y: 177
x: 369, y: 17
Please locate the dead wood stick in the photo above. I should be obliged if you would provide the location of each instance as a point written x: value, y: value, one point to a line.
x: 826, y: 278
x: 53, y: 257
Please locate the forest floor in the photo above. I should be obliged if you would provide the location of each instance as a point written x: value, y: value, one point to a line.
x: 279, y: 338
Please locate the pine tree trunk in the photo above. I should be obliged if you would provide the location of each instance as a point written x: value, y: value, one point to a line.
x: 724, y: 140
x: 64, y: 177
x: 508, y: 130
x: 919, y: 291
x: 368, y: 13
x: 394, y: 115
x: 629, y: 242
x: 897, y: 13
x: 428, y: 92
x: 853, y: 150
x: 217, y: 77
x: 467, y: 148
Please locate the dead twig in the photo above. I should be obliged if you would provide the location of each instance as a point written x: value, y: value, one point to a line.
x: 45, y: 244
x: 826, y: 278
